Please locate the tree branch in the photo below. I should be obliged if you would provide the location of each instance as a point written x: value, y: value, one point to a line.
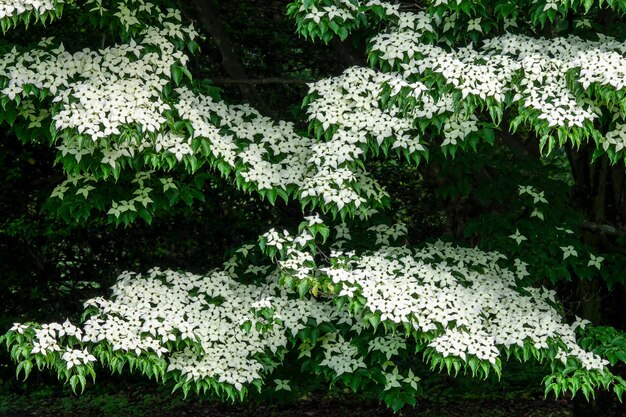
x: 521, y: 148
x: 605, y: 229
x: 344, y: 54
x: 269, y: 80
x: 210, y: 19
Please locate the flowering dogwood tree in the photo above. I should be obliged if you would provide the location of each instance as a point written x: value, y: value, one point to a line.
x: 345, y: 292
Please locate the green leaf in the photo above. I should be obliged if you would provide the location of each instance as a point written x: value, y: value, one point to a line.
x: 374, y: 319
x: 473, y: 363
x: 177, y: 74
x: 74, y: 381
x: 303, y: 287
x: 325, y: 232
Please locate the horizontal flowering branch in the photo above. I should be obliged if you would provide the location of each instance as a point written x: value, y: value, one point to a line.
x: 355, y: 317
x: 119, y: 108
x: 13, y: 12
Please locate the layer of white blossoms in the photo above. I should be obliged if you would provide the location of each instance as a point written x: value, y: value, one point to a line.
x: 265, y: 154
x: 550, y: 83
x: 115, y: 97
x: 217, y: 317
x: 342, y: 12
x: 463, y: 297
x: 14, y: 8
x: 273, y: 154
x: 98, y: 91
x: 148, y: 313
x: 232, y: 329
x: 350, y: 103
x: 493, y: 70
x: 355, y: 108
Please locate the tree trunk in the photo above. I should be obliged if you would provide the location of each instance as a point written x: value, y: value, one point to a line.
x: 210, y: 19
x: 599, y: 191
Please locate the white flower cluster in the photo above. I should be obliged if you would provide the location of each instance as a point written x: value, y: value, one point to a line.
x: 462, y: 296
x: 343, y: 10
x: 389, y: 345
x: 351, y: 103
x: 616, y: 138
x: 99, y: 91
x: 340, y: 355
x: 12, y: 8
x: 216, y: 327
x: 385, y: 234
x: 274, y: 156
x: 175, y: 144
x: 147, y: 312
x: 489, y: 72
x: 458, y: 128
x: 75, y: 357
x: 395, y: 45
x: 48, y: 335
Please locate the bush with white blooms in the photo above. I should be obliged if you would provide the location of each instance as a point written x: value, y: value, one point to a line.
x: 343, y: 294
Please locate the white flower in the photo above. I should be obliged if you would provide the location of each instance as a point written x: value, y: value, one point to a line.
x: 526, y: 189
x: 393, y: 379
x: 412, y: 379
x: 282, y: 384
x: 19, y: 328
x: 595, y: 261
x: 474, y: 25
x: 580, y: 323
x: 537, y: 213
x: 347, y: 291
x: 569, y: 251
x: 518, y: 237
